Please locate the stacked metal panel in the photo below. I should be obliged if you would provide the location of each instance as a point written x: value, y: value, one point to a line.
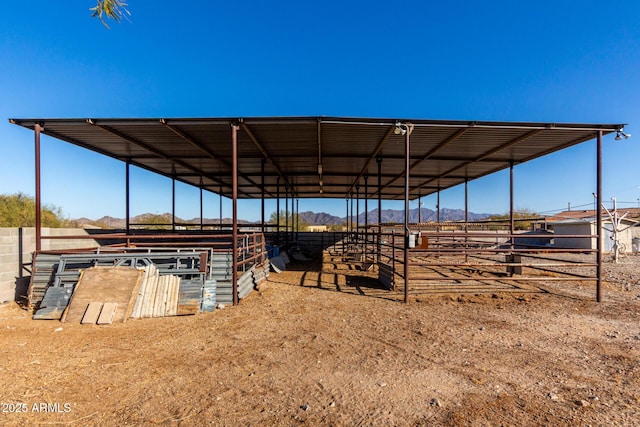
x: 54, y: 302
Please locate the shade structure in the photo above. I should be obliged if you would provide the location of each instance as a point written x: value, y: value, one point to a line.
x: 317, y: 157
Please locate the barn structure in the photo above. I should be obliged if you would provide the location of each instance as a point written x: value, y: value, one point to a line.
x: 361, y: 160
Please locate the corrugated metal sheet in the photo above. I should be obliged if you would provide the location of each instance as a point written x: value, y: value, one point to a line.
x: 385, y: 275
x: 209, y: 296
x: 190, y: 297
x: 54, y: 302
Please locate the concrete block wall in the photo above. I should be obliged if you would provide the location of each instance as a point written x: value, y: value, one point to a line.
x: 18, y: 244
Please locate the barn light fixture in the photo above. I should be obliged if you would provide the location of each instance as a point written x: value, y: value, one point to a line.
x: 400, y: 129
x: 620, y: 134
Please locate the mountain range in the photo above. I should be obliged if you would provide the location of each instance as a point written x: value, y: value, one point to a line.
x: 308, y: 217
x: 392, y: 215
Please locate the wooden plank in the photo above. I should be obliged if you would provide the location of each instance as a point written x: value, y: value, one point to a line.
x: 137, y: 307
x: 106, y: 284
x: 133, y: 296
x: 150, y: 295
x: 91, y: 313
x: 107, y: 313
x: 172, y: 296
x: 176, y: 296
x: 161, y: 294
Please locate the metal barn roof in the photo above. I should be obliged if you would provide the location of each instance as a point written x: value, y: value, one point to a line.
x: 318, y: 156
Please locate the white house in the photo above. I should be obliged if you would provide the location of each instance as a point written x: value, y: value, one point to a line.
x: 629, y: 236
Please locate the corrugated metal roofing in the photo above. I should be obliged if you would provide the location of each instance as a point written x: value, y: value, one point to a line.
x: 198, y: 151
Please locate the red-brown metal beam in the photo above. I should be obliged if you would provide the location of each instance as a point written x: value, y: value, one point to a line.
x: 431, y: 152
x: 371, y: 158
x: 265, y: 154
x: 485, y: 155
x: 38, y: 129
x: 599, y: 216
x: 234, y: 192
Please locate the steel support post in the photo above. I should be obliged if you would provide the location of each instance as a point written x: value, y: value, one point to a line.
x: 438, y: 210
x: 278, y: 211
x: 220, y: 200
x: 366, y: 215
x: 512, y: 225
x: 201, y: 208
x: 357, y: 210
x: 352, y: 222
x: 419, y: 209
x: 234, y: 257
x: 173, y: 200
x: 346, y: 216
x: 599, y: 216
x: 406, y: 215
x: 37, y: 129
x: 466, y: 219
x: 127, y: 192
x: 262, y: 197
x: 379, y: 247
x: 297, y: 220
x: 286, y: 214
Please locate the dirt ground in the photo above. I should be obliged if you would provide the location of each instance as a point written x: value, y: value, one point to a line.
x: 331, y: 348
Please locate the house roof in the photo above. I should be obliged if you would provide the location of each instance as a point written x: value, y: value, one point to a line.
x: 590, y: 215
x: 318, y: 156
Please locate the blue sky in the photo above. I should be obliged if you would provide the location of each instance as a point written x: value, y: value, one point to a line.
x: 542, y: 61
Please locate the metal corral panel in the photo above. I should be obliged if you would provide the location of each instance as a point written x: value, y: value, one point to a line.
x: 385, y: 275
x: 221, y: 266
x: 209, y: 296
x: 54, y: 302
x: 245, y: 283
x: 224, y: 293
x: 190, y: 297
x: 43, y: 274
x: 261, y: 273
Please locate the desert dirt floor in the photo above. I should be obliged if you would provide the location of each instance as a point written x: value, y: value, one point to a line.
x: 331, y: 348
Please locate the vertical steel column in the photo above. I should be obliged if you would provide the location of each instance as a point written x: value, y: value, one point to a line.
x: 406, y: 216
x: 419, y: 209
x: 351, y: 216
x: 234, y: 256
x: 278, y: 211
x: 379, y: 247
x: 262, y: 197
x: 297, y: 219
x: 37, y: 129
x: 466, y: 219
x: 292, y: 215
x: 346, y: 200
x: 220, y: 200
x: 599, y: 216
x: 366, y: 214
x: 512, y: 225
x: 438, y: 211
x: 127, y: 201
x: 357, y: 212
x: 201, y: 208
x: 286, y: 214
x: 173, y: 199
